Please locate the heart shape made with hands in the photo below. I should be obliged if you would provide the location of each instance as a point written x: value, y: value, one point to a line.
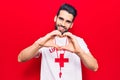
x: 56, y: 42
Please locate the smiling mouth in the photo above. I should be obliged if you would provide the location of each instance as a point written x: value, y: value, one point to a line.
x: 62, y: 29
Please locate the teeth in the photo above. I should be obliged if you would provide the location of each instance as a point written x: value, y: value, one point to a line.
x: 61, y: 28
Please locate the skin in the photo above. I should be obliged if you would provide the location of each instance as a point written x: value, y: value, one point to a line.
x: 64, y: 21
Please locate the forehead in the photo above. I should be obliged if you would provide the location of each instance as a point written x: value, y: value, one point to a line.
x: 67, y: 16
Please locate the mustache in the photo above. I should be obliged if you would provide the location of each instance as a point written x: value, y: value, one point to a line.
x: 60, y: 26
x: 56, y: 28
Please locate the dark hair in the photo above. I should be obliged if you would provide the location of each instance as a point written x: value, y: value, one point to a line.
x: 69, y: 8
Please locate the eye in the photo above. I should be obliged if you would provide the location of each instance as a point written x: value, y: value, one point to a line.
x: 69, y: 22
x: 60, y: 18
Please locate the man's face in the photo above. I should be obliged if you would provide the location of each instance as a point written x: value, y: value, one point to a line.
x: 64, y: 21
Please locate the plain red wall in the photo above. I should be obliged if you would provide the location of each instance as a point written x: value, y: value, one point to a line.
x: 24, y: 21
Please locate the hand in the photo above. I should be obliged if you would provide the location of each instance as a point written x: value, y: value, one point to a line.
x: 53, y: 34
x: 69, y: 35
x: 47, y: 40
x: 51, y: 43
x: 73, y: 45
x: 69, y: 46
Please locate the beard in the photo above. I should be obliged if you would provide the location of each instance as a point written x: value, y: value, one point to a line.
x: 57, y: 28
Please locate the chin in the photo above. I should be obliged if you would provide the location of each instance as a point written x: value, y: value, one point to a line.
x: 64, y: 32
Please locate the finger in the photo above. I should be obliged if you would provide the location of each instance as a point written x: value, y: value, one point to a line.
x: 57, y: 33
x: 68, y: 34
x: 56, y: 46
x: 67, y: 49
x: 65, y: 34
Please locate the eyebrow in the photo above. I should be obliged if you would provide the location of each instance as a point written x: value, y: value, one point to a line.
x: 66, y: 20
x: 61, y: 18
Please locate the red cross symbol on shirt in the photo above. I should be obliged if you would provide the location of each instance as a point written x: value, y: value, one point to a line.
x: 61, y: 60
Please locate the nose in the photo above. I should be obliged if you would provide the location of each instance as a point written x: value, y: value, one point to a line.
x: 63, y: 23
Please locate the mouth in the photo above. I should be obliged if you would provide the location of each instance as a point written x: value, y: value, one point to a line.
x: 62, y: 29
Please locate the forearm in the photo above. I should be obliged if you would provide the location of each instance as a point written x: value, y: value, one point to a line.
x: 29, y: 52
x: 88, y: 60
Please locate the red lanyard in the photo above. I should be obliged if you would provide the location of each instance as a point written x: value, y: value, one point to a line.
x: 61, y: 60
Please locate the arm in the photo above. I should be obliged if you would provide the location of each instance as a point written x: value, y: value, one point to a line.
x: 31, y: 51
x: 28, y: 53
x: 88, y: 60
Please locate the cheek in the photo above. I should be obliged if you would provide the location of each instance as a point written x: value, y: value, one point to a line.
x: 57, y: 22
x: 68, y: 26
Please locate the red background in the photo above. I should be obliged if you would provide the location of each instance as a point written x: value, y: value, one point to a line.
x: 24, y: 21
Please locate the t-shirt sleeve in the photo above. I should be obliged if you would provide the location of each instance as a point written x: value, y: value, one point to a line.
x: 83, y: 45
x: 39, y: 52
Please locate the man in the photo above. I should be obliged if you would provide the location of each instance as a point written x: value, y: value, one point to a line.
x: 62, y: 51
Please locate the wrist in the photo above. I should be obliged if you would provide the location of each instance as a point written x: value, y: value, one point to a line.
x: 36, y: 45
x: 40, y: 42
x: 79, y: 51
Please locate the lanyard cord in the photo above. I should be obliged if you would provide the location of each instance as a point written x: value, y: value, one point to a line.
x: 60, y: 73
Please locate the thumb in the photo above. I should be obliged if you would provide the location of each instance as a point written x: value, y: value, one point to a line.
x: 56, y: 46
x: 68, y: 48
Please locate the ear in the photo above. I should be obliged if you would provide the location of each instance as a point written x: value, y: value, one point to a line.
x: 55, y: 18
x: 71, y: 25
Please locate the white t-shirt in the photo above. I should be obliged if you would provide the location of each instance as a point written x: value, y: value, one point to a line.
x: 61, y: 65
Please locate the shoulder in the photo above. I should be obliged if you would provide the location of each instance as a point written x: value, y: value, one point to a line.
x: 78, y: 38
x: 80, y: 41
x: 82, y: 44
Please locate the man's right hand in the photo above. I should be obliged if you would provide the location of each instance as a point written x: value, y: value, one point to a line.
x: 54, y: 33
x: 47, y: 40
x: 33, y: 50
